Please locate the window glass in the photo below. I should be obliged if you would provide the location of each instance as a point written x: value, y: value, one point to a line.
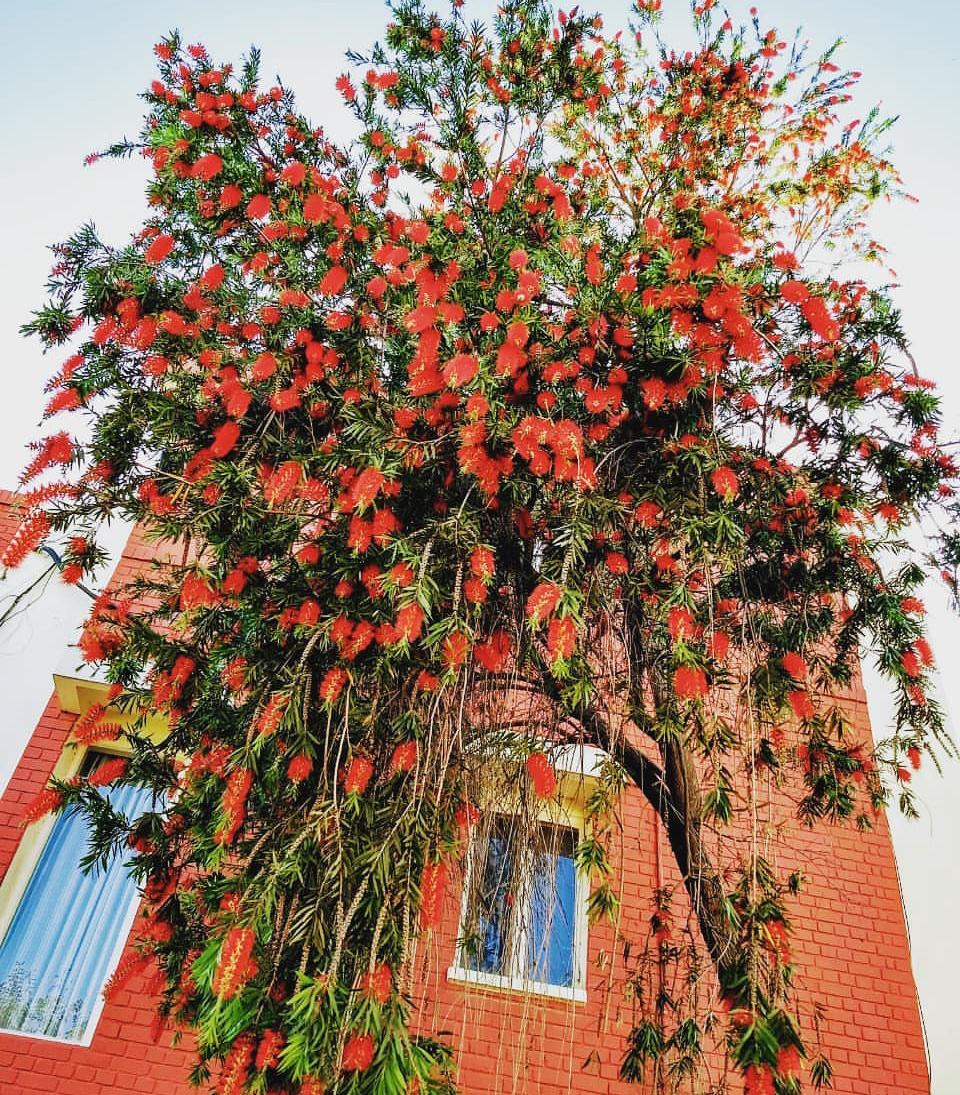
x: 57, y: 951
x: 521, y: 917
x: 550, y: 937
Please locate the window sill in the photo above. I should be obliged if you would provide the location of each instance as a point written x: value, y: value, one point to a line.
x: 498, y: 983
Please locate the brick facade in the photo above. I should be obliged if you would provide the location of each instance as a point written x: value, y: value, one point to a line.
x: 850, y: 943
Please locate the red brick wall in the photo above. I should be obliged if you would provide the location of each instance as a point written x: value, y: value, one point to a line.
x: 850, y: 945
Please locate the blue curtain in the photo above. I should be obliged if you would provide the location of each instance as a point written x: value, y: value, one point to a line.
x: 55, y: 956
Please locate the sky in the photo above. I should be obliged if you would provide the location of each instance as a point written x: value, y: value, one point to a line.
x: 73, y: 71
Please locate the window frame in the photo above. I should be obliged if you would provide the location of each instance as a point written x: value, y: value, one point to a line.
x: 76, y: 696
x: 563, y: 817
x: 577, y: 766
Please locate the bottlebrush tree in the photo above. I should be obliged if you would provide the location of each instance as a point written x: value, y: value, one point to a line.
x: 564, y: 382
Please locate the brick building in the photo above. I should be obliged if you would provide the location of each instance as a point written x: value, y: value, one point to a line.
x: 564, y: 1034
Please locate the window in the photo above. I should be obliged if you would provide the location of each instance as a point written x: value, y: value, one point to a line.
x: 523, y: 920
x: 67, y: 930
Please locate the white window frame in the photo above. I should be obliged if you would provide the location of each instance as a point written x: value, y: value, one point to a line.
x: 574, y: 765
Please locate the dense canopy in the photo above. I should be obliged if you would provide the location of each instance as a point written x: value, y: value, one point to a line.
x: 572, y: 380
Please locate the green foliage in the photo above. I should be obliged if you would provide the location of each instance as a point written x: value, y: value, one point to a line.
x: 532, y: 414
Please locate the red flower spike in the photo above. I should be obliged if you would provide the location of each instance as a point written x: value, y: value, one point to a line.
x: 542, y: 775
x: 236, y: 965
x: 724, y: 481
x: 543, y: 601
x: 268, y: 1052
x: 404, y: 758
x: 358, y: 1053
x: 561, y: 637
x: 378, y: 983
x: 802, y: 705
x: 690, y: 682
x: 357, y: 776
x: 159, y: 249
x: 794, y: 665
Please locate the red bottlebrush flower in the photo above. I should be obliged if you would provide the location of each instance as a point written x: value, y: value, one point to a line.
x: 543, y: 601
x: 57, y: 449
x: 795, y: 666
x: 294, y: 174
x: 913, y: 754
x: 681, y: 623
x: 233, y: 672
x: 404, y: 758
x: 283, y: 483
x: 109, y: 771
x: 236, y: 965
x: 230, y: 197
x: 482, y: 563
x: 460, y: 370
x: 910, y: 663
x: 263, y: 368
x: 788, y: 1061
x: 654, y: 392
x: 358, y: 1053
x: 66, y: 400
x: 365, y: 488
x: 268, y: 1052
x: 197, y: 592
x: 433, y: 883
x: 312, y: 1085
x: 378, y: 983
x: 48, y: 799
x: 159, y: 249
x: 725, y: 482
x: 492, y: 655
x: 409, y: 622
x: 358, y: 776
x: 475, y: 591
x: 346, y: 89
x: 542, y: 775
x: 317, y: 208
x: 333, y: 281
x: 648, y: 514
x: 258, y: 207
x: 455, y: 648
x: 923, y: 650
x: 207, y: 167
x: 562, y: 637
x: 233, y: 1075
x: 225, y: 438
x: 617, y: 563
x: 718, y: 645
x: 794, y: 292
x: 802, y: 705
x: 272, y: 715
x: 212, y: 277
x: 426, y: 682
x: 818, y: 316
x: 299, y: 768
x: 758, y: 1080
x: 690, y: 682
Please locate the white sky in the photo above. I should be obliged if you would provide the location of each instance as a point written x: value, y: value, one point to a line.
x: 72, y: 74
